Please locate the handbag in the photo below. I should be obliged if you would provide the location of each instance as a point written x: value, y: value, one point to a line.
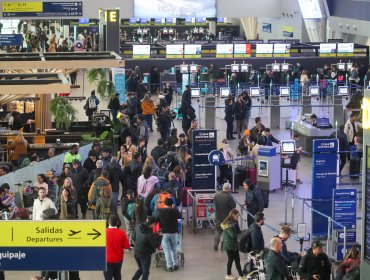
x: 353, y: 274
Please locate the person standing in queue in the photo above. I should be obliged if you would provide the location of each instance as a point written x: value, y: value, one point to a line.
x: 117, y: 241
x: 224, y: 203
x: 146, y: 242
x: 276, y: 269
x: 253, y: 199
x: 229, y: 117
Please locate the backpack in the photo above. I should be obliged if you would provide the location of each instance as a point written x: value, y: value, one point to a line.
x: 130, y: 209
x: 244, y: 241
x: 91, y: 103
x: 96, y: 192
x: 161, y: 198
x: 105, y: 211
x: 176, y: 191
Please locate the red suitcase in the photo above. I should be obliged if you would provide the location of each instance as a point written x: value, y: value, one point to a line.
x: 185, y: 202
x: 251, y: 174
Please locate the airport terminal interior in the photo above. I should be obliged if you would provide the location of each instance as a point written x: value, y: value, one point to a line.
x: 188, y: 107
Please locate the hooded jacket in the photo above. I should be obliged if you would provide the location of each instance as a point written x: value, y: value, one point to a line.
x: 146, y: 242
x: 145, y: 186
x: 231, y: 231
x: 258, y: 243
x: 311, y: 265
x: 148, y: 107
x: 224, y: 202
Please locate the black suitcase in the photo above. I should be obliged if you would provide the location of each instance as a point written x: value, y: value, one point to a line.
x: 239, y: 176
x: 354, y: 167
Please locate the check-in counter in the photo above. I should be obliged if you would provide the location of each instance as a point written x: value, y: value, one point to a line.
x: 308, y: 133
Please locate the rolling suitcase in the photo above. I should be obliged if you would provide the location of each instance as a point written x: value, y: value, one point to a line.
x: 239, y: 176
x: 251, y: 174
x: 354, y: 167
x: 185, y: 202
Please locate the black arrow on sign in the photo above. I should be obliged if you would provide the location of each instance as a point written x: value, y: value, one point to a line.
x: 96, y: 233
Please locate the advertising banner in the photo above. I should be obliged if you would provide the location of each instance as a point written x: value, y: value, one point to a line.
x: 204, y: 141
x: 224, y: 50
x: 288, y: 31
x: 42, y: 9
x: 324, y: 178
x: 141, y: 51
x: 193, y: 51
x: 346, y: 49
x: 264, y: 50
x: 266, y: 27
x: 175, y: 51
x: 281, y: 50
x: 344, y: 208
x: 119, y: 80
x: 242, y: 50
x: 328, y: 49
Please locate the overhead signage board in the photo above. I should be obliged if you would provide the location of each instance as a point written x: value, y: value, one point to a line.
x: 264, y: 50
x: 193, y: 51
x: 11, y: 40
x: 328, y: 49
x: 281, y: 50
x: 67, y: 245
x: 224, y: 50
x: 242, y: 50
x: 42, y: 9
x: 174, y: 51
x: 141, y: 51
x: 346, y: 49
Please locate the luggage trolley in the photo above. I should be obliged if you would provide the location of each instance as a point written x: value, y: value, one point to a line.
x: 159, y: 257
x: 204, y: 211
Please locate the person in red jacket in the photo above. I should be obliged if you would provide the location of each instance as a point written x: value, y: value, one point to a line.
x: 117, y: 241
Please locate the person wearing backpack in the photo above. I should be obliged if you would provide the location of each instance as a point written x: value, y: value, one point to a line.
x: 128, y: 209
x: 230, y: 227
x: 104, y: 207
x: 95, y: 188
x: 158, y: 200
x: 146, y: 183
x: 176, y: 188
x: 253, y: 199
x: 91, y: 105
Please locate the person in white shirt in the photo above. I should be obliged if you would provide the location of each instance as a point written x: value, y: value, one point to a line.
x: 41, y: 204
x: 351, y: 128
x: 81, y: 37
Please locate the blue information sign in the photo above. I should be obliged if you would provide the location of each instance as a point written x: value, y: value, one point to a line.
x: 351, y: 236
x: 344, y: 208
x: 324, y: 179
x: 11, y: 40
x: 50, y: 9
x: 203, y: 175
x: 216, y: 157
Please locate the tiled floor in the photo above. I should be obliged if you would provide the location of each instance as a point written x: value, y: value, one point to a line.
x: 201, y: 262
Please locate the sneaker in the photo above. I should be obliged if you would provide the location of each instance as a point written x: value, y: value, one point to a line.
x: 170, y: 269
x: 230, y: 277
x: 176, y: 267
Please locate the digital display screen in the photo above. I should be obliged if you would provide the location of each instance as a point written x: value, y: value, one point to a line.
x: 284, y: 91
x: 282, y: 48
x: 141, y: 49
x: 346, y: 47
x: 288, y: 147
x: 184, y: 68
x: 144, y: 20
x: 341, y: 66
x: 175, y: 49
x: 221, y: 20
x: 193, y: 68
x: 235, y: 68
x: 314, y: 90
x: 255, y: 91
x: 159, y: 21
x: 189, y: 20
x: 195, y: 92
x: 242, y: 48
x: 343, y: 90
x: 200, y: 20
x: 328, y: 48
x: 193, y: 49
x: 170, y: 20
x: 284, y: 66
x: 224, y: 49
x: 134, y: 20
x: 224, y: 92
x: 276, y: 67
x: 83, y: 21
x: 244, y: 67
x: 180, y: 9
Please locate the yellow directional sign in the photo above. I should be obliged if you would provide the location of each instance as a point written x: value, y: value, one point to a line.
x: 53, y: 233
x: 22, y: 7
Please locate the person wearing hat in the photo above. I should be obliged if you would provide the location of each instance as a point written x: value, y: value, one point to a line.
x: 72, y: 154
x: 146, y: 243
x: 91, y: 105
x: 80, y: 176
x: 315, y: 264
x: 167, y: 217
x: 245, y: 146
x: 224, y: 202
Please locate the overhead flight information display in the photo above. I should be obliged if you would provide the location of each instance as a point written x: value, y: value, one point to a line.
x: 42, y: 9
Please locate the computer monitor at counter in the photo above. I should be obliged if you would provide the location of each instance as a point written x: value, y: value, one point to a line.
x: 288, y: 147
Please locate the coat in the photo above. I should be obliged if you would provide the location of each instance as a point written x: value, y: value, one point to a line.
x: 258, y: 243
x: 146, y: 242
x: 224, y: 202
x: 254, y: 200
x: 231, y: 231
x: 348, y: 129
x: 148, y: 107
x: 275, y: 267
x: 311, y: 265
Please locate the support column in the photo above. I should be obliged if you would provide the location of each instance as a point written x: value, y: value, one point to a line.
x: 316, y: 29
x: 109, y: 30
x: 250, y: 26
x: 42, y: 113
